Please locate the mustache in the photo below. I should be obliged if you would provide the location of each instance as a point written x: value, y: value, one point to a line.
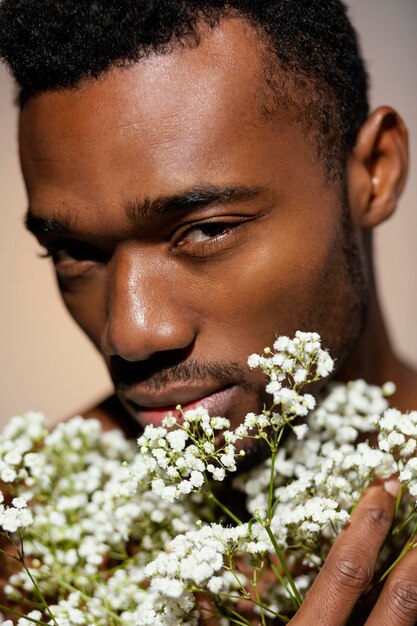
x: 157, y: 373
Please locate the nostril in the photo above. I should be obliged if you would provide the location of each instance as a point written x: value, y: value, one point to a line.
x: 132, y: 342
x: 162, y: 365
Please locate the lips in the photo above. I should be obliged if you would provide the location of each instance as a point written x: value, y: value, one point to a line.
x: 216, y: 402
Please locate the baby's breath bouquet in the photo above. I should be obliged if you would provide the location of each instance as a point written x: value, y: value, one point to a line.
x: 98, y: 531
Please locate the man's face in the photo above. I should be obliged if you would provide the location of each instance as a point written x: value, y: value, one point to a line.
x: 187, y: 229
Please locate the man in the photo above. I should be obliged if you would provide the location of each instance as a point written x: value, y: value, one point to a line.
x: 206, y: 175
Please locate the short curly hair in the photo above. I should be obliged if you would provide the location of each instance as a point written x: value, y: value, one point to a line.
x: 55, y: 44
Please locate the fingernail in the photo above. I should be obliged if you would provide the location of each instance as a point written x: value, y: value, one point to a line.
x: 392, y: 486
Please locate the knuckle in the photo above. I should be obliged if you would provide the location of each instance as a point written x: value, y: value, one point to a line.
x: 402, y: 596
x: 352, y: 571
x: 378, y: 518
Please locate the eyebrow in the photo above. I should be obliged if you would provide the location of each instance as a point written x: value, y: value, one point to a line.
x: 191, y: 200
x: 41, y: 225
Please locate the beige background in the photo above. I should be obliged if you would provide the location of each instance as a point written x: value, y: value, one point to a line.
x: 47, y: 364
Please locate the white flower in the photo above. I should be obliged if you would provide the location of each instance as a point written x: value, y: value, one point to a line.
x: 168, y: 587
x: 7, y: 474
x: 15, y: 517
x: 81, y: 496
x: 19, y: 503
x: 241, y: 431
x: 177, y: 439
x: 388, y: 388
x: 300, y: 375
x: 301, y: 431
x: 215, y: 584
x: 185, y: 486
x: 228, y: 461
x: 196, y: 479
x: 169, y: 421
x: 325, y: 365
x: 281, y: 344
x: 254, y: 360
x: 273, y: 387
x: 218, y: 473
x: 208, y: 447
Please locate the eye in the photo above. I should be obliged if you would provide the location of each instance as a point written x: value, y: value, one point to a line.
x: 205, y: 232
x: 73, y: 258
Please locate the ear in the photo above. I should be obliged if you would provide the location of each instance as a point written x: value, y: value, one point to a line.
x: 377, y: 168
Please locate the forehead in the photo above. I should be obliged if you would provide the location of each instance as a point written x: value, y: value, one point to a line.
x: 190, y: 116
x: 218, y: 81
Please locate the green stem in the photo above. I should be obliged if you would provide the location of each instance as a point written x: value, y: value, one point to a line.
x: 413, y: 534
x: 236, y: 577
x: 258, y: 597
x: 221, y: 505
x: 239, y: 619
x: 283, y: 618
x: 280, y: 578
x: 296, y: 597
x: 11, y: 556
x: 38, y: 592
x: 274, y: 448
x: 109, y: 612
x: 230, y: 596
x: 404, y: 523
x: 225, y: 609
x: 40, y: 595
x: 271, y: 484
x: 399, y: 498
x: 397, y: 560
x: 18, y: 614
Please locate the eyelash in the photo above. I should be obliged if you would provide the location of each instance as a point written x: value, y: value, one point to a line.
x: 91, y: 254
x: 226, y: 230
x: 94, y: 255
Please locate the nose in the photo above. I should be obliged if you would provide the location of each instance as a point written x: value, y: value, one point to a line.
x: 145, y: 311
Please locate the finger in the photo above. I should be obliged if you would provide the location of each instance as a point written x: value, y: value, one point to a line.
x: 350, y: 565
x: 397, y: 604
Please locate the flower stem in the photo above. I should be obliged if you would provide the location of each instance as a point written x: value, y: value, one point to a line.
x: 38, y: 592
x: 404, y: 523
x: 399, y: 498
x: 18, y: 614
x: 258, y: 597
x: 296, y: 597
x: 11, y: 556
x: 280, y: 578
x: 405, y: 551
x: 231, y: 596
x: 109, y: 612
x: 223, y: 507
x: 271, y: 484
x: 238, y: 621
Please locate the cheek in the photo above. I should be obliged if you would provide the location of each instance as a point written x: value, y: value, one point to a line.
x: 86, y: 303
x: 242, y: 302
x: 277, y: 288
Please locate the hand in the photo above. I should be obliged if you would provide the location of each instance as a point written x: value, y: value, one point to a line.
x: 350, y: 566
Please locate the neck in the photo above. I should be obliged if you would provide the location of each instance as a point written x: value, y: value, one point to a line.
x: 373, y: 359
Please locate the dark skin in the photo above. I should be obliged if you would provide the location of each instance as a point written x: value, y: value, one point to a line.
x: 187, y: 230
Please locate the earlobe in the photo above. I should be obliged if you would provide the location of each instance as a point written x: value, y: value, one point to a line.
x: 377, y: 168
